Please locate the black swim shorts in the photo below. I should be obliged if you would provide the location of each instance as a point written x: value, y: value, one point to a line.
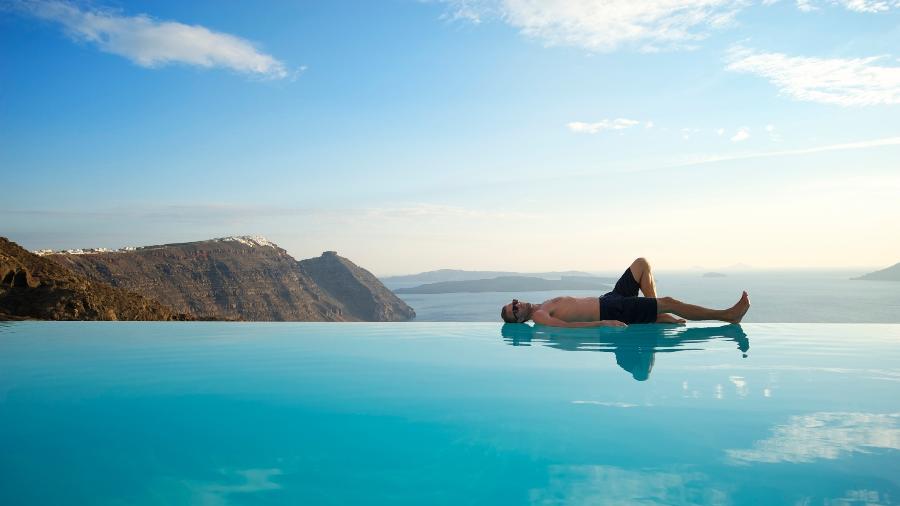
x: 623, y: 303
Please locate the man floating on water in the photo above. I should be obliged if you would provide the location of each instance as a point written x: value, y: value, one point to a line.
x: 621, y: 306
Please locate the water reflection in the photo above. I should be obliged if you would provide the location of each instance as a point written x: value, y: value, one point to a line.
x: 605, y: 484
x: 824, y: 435
x: 635, y: 347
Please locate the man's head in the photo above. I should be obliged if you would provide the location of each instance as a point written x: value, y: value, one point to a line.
x: 516, y: 312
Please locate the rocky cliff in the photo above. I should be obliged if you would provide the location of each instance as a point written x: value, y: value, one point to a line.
x: 364, y: 296
x: 35, y: 287
x: 236, y: 278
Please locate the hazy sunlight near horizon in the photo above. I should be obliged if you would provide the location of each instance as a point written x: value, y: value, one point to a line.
x: 472, y: 134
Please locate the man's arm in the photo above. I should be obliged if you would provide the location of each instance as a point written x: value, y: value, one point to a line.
x: 544, y: 318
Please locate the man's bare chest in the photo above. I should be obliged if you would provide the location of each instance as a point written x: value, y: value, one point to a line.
x: 573, y: 309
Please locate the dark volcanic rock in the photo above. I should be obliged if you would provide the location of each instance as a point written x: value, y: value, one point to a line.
x: 35, y: 287
x: 363, y: 295
x: 233, y: 278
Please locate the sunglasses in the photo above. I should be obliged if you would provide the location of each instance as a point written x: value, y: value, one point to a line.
x: 515, y: 308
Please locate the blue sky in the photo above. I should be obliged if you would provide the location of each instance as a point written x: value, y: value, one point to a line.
x: 411, y: 135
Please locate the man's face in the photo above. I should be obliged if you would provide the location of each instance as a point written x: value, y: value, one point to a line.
x: 520, y: 311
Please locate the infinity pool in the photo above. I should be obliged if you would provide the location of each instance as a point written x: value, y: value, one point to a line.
x: 448, y: 413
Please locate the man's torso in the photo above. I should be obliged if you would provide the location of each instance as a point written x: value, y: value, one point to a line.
x: 573, y: 309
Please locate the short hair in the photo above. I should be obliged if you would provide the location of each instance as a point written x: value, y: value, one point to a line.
x: 503, y: 315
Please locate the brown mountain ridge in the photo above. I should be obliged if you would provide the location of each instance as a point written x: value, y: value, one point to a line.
x: 242, y: 278
x: 33, y: 287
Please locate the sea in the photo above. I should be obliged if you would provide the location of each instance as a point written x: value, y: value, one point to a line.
x: 796, y: 296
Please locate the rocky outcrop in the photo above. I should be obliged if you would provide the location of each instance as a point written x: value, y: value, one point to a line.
x: 363, y: 296
x: 238, y: 278
x: 35, y: 287
x: 891, y: 273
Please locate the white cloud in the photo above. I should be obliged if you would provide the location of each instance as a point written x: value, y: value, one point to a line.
x: 152, y: 43
x: 648, y: 124
x: 840, y: 81
x: 687, y: 133
x: 823, y: 436
x: 870, y: 6
x: 606, y: 25
x: 770, y: 128
x: 742, y: 134
x: 874, y: 143
x: 720, y: 132
x: 606, y: 124
x: 864, y: 6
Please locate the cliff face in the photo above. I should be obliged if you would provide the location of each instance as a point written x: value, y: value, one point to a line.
x: 232, y: 278
x: 363, y: 295
x: 35, y: 287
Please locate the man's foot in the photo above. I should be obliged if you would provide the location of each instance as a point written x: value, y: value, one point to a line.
x: 667, y: 318
x: 736, y: 313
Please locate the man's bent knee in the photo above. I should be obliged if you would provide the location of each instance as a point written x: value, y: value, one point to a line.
x: 642, y: 263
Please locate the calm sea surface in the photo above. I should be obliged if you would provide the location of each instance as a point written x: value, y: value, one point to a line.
x: 790, y: 296
x: 448, y: 413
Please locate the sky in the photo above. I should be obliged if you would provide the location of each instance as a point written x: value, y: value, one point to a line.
x: 412, y: 135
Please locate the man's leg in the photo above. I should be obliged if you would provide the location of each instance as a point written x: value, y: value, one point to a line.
x: 643, y: 274
x: 640, y: 269
x: 734, y: 314
x: 667, y: 318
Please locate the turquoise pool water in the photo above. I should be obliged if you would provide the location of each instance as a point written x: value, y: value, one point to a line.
x: 440, y: 413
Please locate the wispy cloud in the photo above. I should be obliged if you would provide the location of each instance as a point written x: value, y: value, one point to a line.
x: 419, y: 211
x: 153, y: 43
x: 874, y: 143
x: 606, y: 25
x: 864, y: 6
x: 242, y: 215
x: 687, y: 133
x: 870, y: 6
x: 606, y: 124
x: 840, y: 81
x: 742, y: 134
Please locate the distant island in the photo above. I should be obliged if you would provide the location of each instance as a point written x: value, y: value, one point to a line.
x: 441, y: 275
x: 892, y: 273
x: 713, y: 275
x: 512, y: 284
